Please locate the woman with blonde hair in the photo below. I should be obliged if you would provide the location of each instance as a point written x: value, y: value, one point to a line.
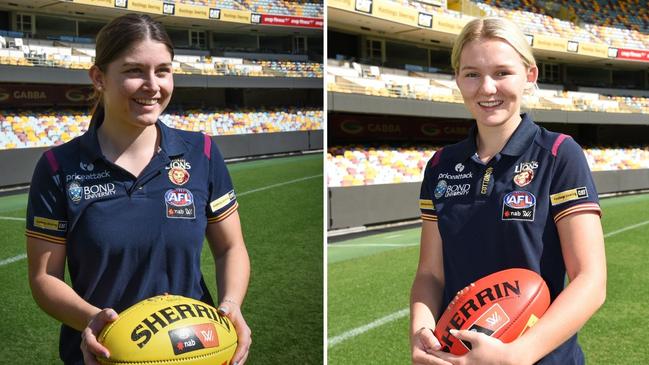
x: 471, y: 228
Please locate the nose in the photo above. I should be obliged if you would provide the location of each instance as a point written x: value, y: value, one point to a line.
x: 488, y: 85
x: 150, y: 82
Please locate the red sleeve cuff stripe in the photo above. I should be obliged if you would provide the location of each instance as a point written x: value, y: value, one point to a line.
x: 45, y: 237
x: 592, y: 207
x: 429, y: 217
x: 225, y: 214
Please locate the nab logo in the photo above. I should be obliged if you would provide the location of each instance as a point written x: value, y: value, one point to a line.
x: 255, y: 18
x: 179, y: 197
x: 520, y: 199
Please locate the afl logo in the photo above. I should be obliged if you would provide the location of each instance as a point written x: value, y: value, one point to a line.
x: 520, y: 200
x: 74, y: 192
x: 351, y: 127
x: 179, y: 197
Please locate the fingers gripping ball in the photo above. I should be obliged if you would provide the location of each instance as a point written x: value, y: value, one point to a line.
x: 502, y: 305
x: 169, y: 329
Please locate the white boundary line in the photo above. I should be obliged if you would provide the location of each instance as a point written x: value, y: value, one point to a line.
x: 333, y: 341
x: 360, y: 330
x: 12, y: 259
x: 12, y: 219
x: 351, y: 245
x: 23, y: 256
x: 277, y: 185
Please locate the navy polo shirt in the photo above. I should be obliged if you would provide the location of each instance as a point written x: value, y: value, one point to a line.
x: 503, y: 214
x: 129, y: 238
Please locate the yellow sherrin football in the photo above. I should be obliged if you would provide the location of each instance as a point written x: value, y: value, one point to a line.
x: 169, y: 329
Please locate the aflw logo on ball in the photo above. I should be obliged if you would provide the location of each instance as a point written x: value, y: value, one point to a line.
x: 473, y: 305
x: 193, y: 338
x: 200, y: 334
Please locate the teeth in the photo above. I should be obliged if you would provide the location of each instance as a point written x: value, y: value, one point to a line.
x: 147, y: 101
x: 490, y: 103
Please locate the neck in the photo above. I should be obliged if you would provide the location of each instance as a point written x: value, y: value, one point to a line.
x: 118, y: 140
x: 490, y: 140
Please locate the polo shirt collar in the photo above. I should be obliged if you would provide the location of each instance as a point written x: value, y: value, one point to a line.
x: 170, y: 142
x: 522, y: 138
x: 517, y: 144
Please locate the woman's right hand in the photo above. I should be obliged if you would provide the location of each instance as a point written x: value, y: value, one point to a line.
x: 424, y: 345
x: 90, y: 347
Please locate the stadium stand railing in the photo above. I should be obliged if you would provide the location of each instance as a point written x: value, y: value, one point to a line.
x: 350, y: 77
x: 18, y: 51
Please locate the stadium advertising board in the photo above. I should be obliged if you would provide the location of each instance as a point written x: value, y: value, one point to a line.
x: 550, y: 43
x: 632, y: 54
x: 449, y: 25
x: 17, y: 95
x: 592, y: 49
x: 291, y: 21
x: 192, y: 11
x: 389, y: 10
x: 357, y: 127
x: 204, y: 12
x: 341, y: 4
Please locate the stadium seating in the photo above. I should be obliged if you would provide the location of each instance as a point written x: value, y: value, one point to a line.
x: 625, y: 14
x: 25, y: 128
x: 368, y: 165
x: 349, y: 77
x: 56, y: 53
x: 598, y: 31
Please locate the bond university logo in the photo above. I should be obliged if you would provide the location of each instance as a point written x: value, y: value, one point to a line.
x: 75, y: 191
x: 440, y: 189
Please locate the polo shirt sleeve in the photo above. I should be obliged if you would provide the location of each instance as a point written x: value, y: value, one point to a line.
x: 572, y: 189
x: 47, y: 217
x: 426, y: 204
x: 222, y: 198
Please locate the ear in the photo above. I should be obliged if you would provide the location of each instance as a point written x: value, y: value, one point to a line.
x: 532, y: 74
x: 97, y: 77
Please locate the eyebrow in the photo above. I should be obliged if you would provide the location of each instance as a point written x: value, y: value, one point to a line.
x: 128, y: 64
x: 505, y: 65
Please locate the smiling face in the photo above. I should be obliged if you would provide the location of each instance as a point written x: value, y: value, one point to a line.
x: 136, y: 86
x: 491, y: 78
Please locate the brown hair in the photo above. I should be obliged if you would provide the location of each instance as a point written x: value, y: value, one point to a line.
x: 116, y: 37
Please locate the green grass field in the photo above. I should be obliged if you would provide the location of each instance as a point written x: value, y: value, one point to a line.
x: 369, y: 282
x: 281, y: 211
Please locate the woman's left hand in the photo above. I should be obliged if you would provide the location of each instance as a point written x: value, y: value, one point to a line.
x: 485, y: 350
x: 233, y: 312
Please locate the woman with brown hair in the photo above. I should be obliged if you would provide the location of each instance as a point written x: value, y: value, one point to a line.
x: 129, y: 203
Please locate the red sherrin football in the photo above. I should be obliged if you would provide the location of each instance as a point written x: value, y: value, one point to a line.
x: 502, y: 305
